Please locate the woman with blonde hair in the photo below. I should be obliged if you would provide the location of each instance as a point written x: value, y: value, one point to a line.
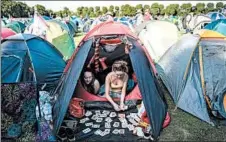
x: 116, y: 84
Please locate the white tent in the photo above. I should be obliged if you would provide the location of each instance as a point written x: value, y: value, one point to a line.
x: 158, y: 37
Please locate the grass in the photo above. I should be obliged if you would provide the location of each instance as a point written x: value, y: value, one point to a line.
x: 184, y: 126
x: 78, y: 38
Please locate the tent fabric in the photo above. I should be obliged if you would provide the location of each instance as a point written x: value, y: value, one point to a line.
x: 154, y: 33
x: 191, y: 98
x: 214, y: 57
x: 16, y: 26
x: 210, y: 34
x: 10, y: 67
x: 170, y: 70
x: 47, y: 61
x: 5, y: 32
x: 195, y: 22
x: 147, y: 86
x: 216, y: 15
x: 71, y: 27
x: 55, y: 32
x: 64, y: 43
x: 71, y: 79
x: 109, y: 28
x: 218, y: 26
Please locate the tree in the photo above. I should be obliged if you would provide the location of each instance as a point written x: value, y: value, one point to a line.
x: 210, y: 7
x: 139, y: 6
x: 185, y: 9
x: 200, y: 8
x: 147, y: 7
x: 116, y: 8
x: 104, y: 9
x: 79, y: 11
x: 97, y: 9
x: 14, y: 9
x: 155, y: 9
x: 111, y: 8
x: 172, y: 9
x: 219, y: 5
x: 41, y: 9
x: 66, y: 11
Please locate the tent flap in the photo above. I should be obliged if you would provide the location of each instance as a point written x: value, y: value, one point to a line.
x: 69, y: 84
x: 156, y: 109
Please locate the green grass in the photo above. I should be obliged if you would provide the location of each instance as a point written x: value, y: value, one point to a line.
x: 186, y: 127
x: 78, y: 38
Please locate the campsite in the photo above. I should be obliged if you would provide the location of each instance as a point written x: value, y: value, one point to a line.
x: 141, y: 72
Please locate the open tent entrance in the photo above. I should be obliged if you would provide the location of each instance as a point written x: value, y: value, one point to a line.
x: 99, y: 113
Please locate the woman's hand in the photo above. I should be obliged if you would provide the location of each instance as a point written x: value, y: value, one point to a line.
x: 123, y: 107
x: 116, y: 107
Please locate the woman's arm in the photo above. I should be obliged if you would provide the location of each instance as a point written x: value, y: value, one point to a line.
x: 96, y: 86
x: 107, y: 90
x: 123, y: 91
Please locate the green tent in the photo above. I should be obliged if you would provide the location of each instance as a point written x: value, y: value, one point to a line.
x: 16, y: 26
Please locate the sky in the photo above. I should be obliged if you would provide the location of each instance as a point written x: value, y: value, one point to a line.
x: 72, y: 5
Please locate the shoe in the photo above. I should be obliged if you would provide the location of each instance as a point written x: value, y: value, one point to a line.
x: 62, y: 134
x: 70, y: 135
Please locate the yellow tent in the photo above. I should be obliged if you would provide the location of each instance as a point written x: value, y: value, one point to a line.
x: 210, y: 34
x: 56, y: 33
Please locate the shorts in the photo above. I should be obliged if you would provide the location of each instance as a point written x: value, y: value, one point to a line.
x: 115, y: 94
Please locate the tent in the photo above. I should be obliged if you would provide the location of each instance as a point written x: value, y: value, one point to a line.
x: 5, y: 32
x: 44, y: 17
x: 26, y: 54
x: 216, y: 15
x: 194, y: 23
x: 3, y: 23
x: 218, y: 26
x: 55, y: 32
x: 146, y: 87
x: 72, y: 27
x: 158, y: 37
x: 16, y: 26
x: 128, y: 24
x: 209, y: 33
x: 194, y: 72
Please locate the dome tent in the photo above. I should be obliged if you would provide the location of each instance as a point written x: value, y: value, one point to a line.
x: 143, y: 68
x: 25, y: 54
x: 55, y: 32
x: 153, y: 33
x: 218, y: 26
x: 5, y: 32
x: 193, y: 70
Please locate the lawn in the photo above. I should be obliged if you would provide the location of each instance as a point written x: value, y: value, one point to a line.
x: 184, y: 126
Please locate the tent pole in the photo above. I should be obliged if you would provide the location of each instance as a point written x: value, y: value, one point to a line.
x: 202, y: 77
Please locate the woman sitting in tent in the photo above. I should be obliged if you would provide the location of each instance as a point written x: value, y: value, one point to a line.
x: 116, y: 84
x: 90, y: 83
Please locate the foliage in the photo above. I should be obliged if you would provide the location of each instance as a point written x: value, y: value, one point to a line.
x: 20, y: 9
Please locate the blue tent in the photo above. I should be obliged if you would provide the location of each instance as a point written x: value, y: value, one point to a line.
x: 26, y: 54
x: 44, y: 17
x: 72, y: 27
x: 147, y: 81
x: 218, y: 26
x: 216, y: 15
x: 194, y: 72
